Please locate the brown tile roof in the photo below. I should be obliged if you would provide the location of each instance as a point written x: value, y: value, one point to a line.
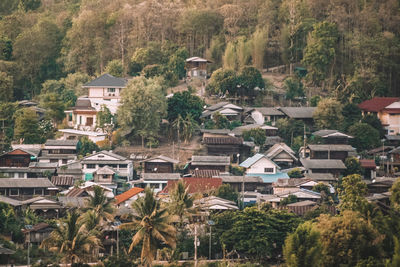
x: 205, y: 173
x: 128, y: 194
x: 226, y: 140
x: 376, y: 104
x: 63, y: 180
x: 75, y: 192
x: 368, y: 163
x: 196, y: 185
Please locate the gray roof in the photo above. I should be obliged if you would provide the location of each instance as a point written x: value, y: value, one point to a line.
x: 25, y: 182
x: 348, y: 148
x: 6, y: 251
x: 107, y: 80
x: 51, y: 142
x: 163, y: 158
x: 105, y: 152
x: 393, y: 137
x: 43, y: 165
x: 10, y: 201
x: 272, y: 140
x: 78, y: 202
x: 303, y: 203
x: 270, y: 111
x: 160, y: 176
x: 250, y: 161
x: 320, y: 176
x: 217, y: 106
x: 323, y: 164
x: 210, y: 160
x: 298, y: 112
x: 83, y: 104
x: 239, y: 179
x: 330, y: 133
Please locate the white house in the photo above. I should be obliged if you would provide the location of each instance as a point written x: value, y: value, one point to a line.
x: 122, y: 166
x: 261, y: 165
x: 106, y: 87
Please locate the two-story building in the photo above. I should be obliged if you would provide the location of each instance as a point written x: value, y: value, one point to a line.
x: 387, y: 109
x: 122, y: 166
x: 59, y: 151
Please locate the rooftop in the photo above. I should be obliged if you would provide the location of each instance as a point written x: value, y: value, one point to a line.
x: 128, y: 194
x: 250, y: 161
x: 348, y: 148
x: 25, y: 183
x: 210, y: 160
x: 107, y: 80
x: 270, y: 111
x: 323, y: 164
x: 196, y: 185
x: 376, y: 104
x: 160, y: 176
x: 330, y: 133
x: 298, y: 112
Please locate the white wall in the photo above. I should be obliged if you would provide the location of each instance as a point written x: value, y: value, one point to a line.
x: 258, y: 117
x: 260, y: 165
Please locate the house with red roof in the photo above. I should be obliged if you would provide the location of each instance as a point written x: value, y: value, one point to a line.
x: 387, y: 110
x: 195, y: 185
x: 127, y: 197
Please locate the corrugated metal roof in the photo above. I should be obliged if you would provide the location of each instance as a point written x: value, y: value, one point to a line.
x: 250, y: 161
x: 128, y: 194
x: 323, y: 164
x: 223, y: 140
x: 25, y: 183
x: 376, y: 104
x: 210, y: 160
x: 298, y: 112
x: 205, y: 173
x: 160, y: 176
x: 51, y: 142
x: 347, y: 148
x: 270, y: 111
x: 63, y: 180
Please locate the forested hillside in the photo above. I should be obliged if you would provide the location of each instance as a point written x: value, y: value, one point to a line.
x: 350, y: 48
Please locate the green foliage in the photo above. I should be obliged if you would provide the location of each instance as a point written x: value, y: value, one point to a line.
x: 222, y: 81
x: 54, y: 106
x: 347, y: 239
x: 374, y: 122
x: 294, y: 88
x: 365, y: 136
x: 26, y: 5
x: 395, y: 195
x: 289, y: 200
x: 295, y: 173
x: 353, y: 166
x: 143, y: 106
x: 86, y: 146
x: 180, y: 201
x: 220, y: 121
x: 303, y: 248
x: 314, y: 100
x: 328, y: 114
x: 153, y: 70
x: 256, y: 135
x: 351, y: 114
x: 27, y: 126
x: 249, y: 81
x: 225, y: 191
x: 183, y: 103
x: 320, y: 51
x: 289, y: 129
x: 352, y: 193
x: 259, y: 233
x: 236, y: 170
x: 5, y: 48
x: 6, y: 87
x: 115, y: 68
x: 104, y: 117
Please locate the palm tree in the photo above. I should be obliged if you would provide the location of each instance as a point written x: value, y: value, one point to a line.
x: 71, y: 238
x: 101, y: 205
x: 181, y: 201
x: 153, y: 224
x: 178, y: 124
x: 189, y: 126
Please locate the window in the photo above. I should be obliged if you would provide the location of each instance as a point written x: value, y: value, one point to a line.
x: 64, y: 161
x: 90, y: 166
x: 105, y: 176
x: 14, y: 192
x: 268, y: 170
x: 89, y: 121
x: 110, y: 90
x: 69, y: 116
x: 155, y: 186
x: 2, y: 192
x: 80, y: 119
x: 38, y: 191
x: 123, y: 166
x: 21, y: 175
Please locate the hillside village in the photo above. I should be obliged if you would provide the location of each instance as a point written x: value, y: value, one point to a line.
x: 208, y: 133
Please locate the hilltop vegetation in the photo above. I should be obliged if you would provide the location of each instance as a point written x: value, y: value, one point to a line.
x: 351, y: 49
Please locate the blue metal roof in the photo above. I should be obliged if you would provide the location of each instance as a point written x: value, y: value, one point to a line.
x: 270, y: 178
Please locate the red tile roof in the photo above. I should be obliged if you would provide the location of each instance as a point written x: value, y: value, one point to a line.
x: 127, y: 195
x: 368, y: 163
x: 376, y: 104
x: 196, y: 185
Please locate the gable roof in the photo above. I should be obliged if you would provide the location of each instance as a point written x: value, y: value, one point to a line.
x: 376, y: 104
x: 105, y: 170
x: 107, y: 80
x: 368, y: 163
x: 105, y: 152
x: 210, y: 160
x: 205, y: 173
x: 20, y: 151
x: 63, y: 180
x: 197, y: 59
x: 270, y: 111
x: 128, y: 194
x: 330, y: 133
x: 298, y: 112
x: 252, y: 160
x: 160, y: 176
x: 323, y: 164
x: 161, y: 158
x: 290, y: 182
x: 278, y: 148
x: 222, y: 140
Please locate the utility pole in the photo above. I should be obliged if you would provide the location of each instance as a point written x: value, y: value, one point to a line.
x: 195, y: 245
x: 304, y: 142
x: 243, y: 191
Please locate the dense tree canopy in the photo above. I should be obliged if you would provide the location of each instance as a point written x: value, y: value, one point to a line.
x: 183, y: 103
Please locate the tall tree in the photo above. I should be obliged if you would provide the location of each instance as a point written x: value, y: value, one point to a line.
x: 6, y: 87
x: 27, y: 126
x: 352, y: 193
x: 365, y: 136
x: 54, y: 106
x: 181, y: 202
x: 99, y: 203
x: 153, y: 224
x: 183, y: 103
x: 143, y: 107
x: 328, y: 114
x: 71, y: 239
